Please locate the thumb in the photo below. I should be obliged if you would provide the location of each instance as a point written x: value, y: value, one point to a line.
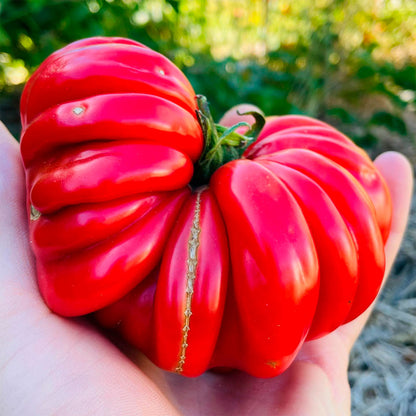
x: 47, y: 362
x: 16, y: 260
x: 235, y: 115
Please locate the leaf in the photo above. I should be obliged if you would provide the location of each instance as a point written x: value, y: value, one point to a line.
x: 4, y: 37
x: 390, y: 121
x: 343, y: 115
x: 174, y: 4
x: 366, y: 140
x: 391, y: 95
x: 406, y: 77
x: 365, y: 71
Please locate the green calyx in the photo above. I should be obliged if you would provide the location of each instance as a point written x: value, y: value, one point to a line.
x: 221, y: 144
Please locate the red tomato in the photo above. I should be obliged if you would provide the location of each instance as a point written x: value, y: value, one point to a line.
x: 283, y: 244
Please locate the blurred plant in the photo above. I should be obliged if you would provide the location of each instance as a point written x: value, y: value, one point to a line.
x: 350, y: 62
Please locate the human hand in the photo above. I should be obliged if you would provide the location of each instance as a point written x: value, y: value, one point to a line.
x: 51, y: 365
x: 317, y: 381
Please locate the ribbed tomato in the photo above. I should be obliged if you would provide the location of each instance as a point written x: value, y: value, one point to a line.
x: 280, y: 245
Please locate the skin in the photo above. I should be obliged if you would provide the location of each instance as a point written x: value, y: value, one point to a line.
x: 55, y: 366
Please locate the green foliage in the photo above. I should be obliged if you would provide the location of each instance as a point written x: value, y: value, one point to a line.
x: 325, y: 58
x: 390, y: 121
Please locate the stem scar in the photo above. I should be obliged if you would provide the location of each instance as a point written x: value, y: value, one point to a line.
x: 34, y: 213
x: 192, y: 263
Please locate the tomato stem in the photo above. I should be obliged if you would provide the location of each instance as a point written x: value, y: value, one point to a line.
x: 221, y: 144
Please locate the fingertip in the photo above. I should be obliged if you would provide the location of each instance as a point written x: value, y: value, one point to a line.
x: 392, y: 159
x: 232, y: 117
x: 398, y: 174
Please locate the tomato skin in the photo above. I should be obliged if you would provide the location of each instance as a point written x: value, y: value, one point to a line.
x: 337, y: 147
x: 87, y: 224
x: 197, y: 287
x: 276, y: 124
x: 88, y: 279
x: 358, y: 211
x: 103, y: 66
x: 281, y: 246
x: 335, y: 247
x: 132, y: 315
x: 273, y: 278
x: 120, y: 169
x: 115, y: 117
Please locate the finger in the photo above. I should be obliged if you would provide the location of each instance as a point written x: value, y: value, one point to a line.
x: 232, y: 116
x: 398, y: 174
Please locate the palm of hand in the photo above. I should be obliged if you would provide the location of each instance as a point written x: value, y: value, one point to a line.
x: 50, y: 365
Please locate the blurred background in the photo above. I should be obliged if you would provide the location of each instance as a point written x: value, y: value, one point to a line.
x: 351, y: 63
